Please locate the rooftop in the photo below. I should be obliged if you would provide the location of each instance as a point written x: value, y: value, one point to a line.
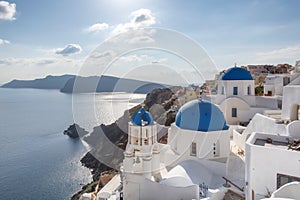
x: 236, y: 73
x: 276, y: 141
x: 205, y: 117
x: 142, y: 118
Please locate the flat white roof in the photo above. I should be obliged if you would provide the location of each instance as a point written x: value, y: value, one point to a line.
x: 110, y: 187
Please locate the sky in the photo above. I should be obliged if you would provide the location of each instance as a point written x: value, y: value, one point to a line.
x: 40, y: 37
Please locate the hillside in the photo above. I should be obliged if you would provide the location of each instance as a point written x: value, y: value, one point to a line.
x: 49, y: 82
x: 90, y: 84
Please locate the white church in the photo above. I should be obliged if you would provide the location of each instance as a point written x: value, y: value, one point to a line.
x: 235, y: 96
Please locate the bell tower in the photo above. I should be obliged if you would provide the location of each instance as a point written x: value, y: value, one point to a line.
x: 142, y: 150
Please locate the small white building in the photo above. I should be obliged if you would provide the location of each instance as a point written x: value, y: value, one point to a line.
x: 291, y: 101
x: 271, y: 162
x: 236, y: 98
x: 274, y: 84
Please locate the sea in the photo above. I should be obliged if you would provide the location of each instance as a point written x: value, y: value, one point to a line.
x: 38, y: 162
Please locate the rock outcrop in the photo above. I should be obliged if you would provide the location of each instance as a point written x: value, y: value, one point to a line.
x: 75, y: 131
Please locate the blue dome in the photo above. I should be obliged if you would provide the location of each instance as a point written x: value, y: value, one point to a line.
x: 236, y: 73
x: 140, y: 116
x: 199, y: 115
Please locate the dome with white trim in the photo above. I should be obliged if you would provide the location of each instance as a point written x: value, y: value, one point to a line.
x: 236, y: 73
x: 142, y: 118
x: 199, y: 115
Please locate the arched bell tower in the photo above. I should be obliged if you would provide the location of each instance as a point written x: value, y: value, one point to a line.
x: 142, y: 150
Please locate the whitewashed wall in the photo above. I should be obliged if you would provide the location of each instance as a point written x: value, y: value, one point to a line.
x: 290, y: 96
x: 263, y: 164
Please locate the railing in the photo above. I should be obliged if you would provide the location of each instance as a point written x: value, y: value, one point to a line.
x: 232, y: 183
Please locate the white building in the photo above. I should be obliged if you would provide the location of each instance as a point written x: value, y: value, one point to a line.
x: 297, y: 66
x: 199, y: 131
x: 274, y: 83
x: 142, y: 155
x: 272, y: 161
x: 236, y: 96
x: 272, y: 147
x: 291, y: 101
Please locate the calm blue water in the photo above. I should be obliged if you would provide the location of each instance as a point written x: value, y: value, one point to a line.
x: 36, y: 160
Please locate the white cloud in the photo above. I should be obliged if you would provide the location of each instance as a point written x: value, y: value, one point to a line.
x: 69, y: 49
x: 139, y: 18
x: 280, y: 55
x: 108, y: 53
x: 7, y: 10
x: 142, y: 17
x: 144, y: 59
x: 141, y: 39
x: 33, y: 61
x: 4, y: 42
x: 97, y: 27
x: 131, y: 58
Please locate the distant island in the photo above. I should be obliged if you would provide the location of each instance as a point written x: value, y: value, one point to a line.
x: 78, y: 84
x: 49, y: 82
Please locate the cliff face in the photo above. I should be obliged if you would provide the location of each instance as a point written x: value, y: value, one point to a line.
x: 160, y: 102
x: 158, y: 96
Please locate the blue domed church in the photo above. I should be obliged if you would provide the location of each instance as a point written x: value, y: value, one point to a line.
x: 235, y: 96
x: 200, y: 131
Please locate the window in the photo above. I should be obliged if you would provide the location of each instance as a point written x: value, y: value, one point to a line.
x: 216, y: 149
x: 235, y: 90
x: 193, y: 149
x: 222, y: 89
x: 135, y: 137
x: 286, y: 81
x: 146, y: 142
x: 233, y: 112
x: 283, y: 179
x: 249, y: 90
